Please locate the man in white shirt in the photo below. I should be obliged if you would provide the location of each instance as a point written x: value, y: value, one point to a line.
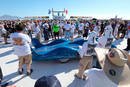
x: 21, y: 43
x: 97, y: 28
x: 108, y: 31
x: 80, y: 29
x: 37, y: 32
x: 72, y: 30
x: 86, y: 53
x: 67, y: 28
x: 91, y: 39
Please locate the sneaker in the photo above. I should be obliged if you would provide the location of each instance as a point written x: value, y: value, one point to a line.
x: 29, y: 73
x: 20, y: 72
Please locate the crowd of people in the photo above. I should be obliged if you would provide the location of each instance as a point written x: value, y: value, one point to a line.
x: 21, y: 32
x: 53, y: 28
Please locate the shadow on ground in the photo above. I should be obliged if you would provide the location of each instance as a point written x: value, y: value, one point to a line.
x: 6, y: 53
x: 12, y: 61
x: 52, y: 68
x: 78, y: 83
x: 9, y: 78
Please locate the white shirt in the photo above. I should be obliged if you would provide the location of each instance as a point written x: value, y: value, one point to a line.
x: 21, y: 50
x: 72, y: 28
x: 91, y: 39
x: 87, y: 24
x: 102, y: 41
x: 45, y: 25
x: 108, y: 31
x: 81, y: 26
x: 61, y: 25
x: 29, y: 27
x: 36, y: 30
x: 2, y: 31
x: 32, y: 25
x: 97, y: 29
x: 67, y: 26
x: 116, y: 30
x: 97, y: 78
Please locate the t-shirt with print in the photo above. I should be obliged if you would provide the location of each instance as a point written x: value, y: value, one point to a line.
x: 92, y: 37
x: 21, y: 43
x: 108, y: 31
x: 91, y: 40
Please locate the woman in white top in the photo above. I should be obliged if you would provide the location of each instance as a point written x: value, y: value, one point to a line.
x: 72, y: 30
x: 37, y: 32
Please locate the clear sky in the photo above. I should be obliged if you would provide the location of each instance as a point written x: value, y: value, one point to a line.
x: 94, y: 8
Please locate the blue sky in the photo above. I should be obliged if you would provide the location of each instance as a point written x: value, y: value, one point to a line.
x: 94, y: 8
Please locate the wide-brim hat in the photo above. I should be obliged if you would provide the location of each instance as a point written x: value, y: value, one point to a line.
x: 116, y: 65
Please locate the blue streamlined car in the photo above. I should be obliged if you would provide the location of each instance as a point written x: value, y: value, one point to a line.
x: 56, y: 50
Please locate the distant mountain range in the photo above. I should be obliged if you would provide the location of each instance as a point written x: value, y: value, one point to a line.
x: 9, y: 17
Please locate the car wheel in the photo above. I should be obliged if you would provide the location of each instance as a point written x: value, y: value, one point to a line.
x: 63, y: 60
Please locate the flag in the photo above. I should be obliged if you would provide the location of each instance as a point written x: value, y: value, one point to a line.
x: 66, y: 11
x: 49, y: 11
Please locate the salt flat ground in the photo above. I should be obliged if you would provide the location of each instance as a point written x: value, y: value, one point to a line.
x: 63, y: 71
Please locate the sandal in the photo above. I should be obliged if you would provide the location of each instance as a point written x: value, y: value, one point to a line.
x: 83, y: 78
x: 77, y: 76
x: 29, y: 73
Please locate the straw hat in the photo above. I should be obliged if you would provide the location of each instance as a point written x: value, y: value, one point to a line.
x: 116, y: 65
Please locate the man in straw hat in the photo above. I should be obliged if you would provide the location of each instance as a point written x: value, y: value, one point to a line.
x: 115, y: 70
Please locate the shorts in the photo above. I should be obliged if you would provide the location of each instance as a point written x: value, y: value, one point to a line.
x: 4, y: 35
x: 25, y: 59
x: 56, y: 34
x: 80, y: 32
x: 67, y: 34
